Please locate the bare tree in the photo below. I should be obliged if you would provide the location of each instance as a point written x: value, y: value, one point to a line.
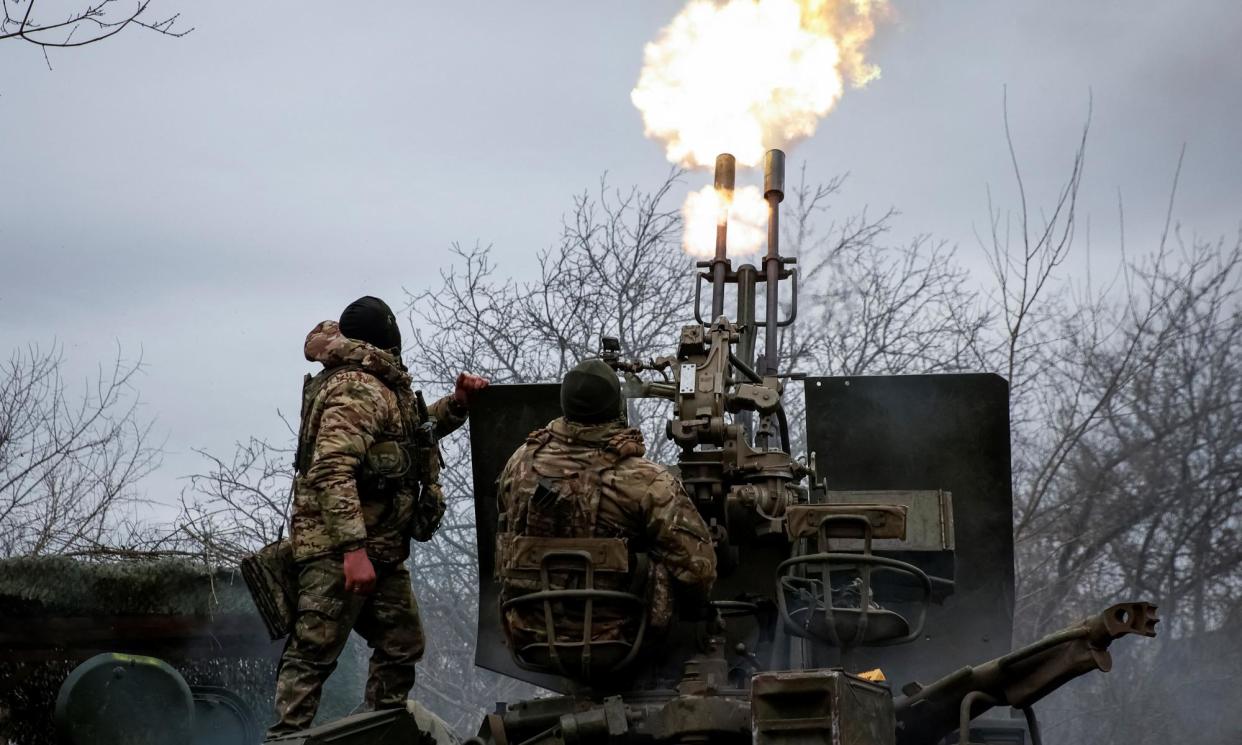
x: 1143, y: 492
x: 88, y: 23
x: 1083, y: 363
x: 871, y: 307
x: 69, y: 464
x: 617, y: 270
x: 237, y: 505
x: 1126, y: 403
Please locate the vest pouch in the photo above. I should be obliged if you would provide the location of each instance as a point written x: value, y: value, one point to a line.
x: 271, y: 577
x: 385, y: 467
x: 427, y: 513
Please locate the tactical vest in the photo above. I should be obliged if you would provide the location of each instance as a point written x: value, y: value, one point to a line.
x: 565, y: 506
x: 561, y: 515
x: 393, y: 460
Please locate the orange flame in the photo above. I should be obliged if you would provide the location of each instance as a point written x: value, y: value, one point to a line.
x: 745, y: 76
x: 747, y: 214
x: 742, y: 77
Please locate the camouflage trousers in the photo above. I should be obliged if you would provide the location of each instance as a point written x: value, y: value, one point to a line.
x: 387, y: 619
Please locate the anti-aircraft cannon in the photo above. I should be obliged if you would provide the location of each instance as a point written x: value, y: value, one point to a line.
x: 884, y: 555
x: 902, y: 570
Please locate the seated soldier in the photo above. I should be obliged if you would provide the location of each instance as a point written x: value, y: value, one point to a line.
x: 584, y: 477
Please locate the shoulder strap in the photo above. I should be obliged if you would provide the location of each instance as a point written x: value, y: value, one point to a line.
x: 311, y: 386
x: 595, y: 486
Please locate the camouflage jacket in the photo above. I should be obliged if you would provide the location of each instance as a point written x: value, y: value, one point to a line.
x: 614, y: 493
x: 352, y: 411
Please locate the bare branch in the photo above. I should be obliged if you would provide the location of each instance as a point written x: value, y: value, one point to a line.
x: 101, y: 20
x: 68, y: 465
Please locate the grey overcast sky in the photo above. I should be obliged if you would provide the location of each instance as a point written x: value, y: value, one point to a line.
x: 206, y: 200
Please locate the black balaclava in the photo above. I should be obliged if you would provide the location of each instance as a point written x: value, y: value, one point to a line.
x: 591, y: 393
x: 370, y: 319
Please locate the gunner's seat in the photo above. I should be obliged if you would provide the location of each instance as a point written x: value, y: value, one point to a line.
x: 829, y: 595
x: 576, y: 622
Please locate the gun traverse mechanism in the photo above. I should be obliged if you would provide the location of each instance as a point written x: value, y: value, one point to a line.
x: 814, y: 584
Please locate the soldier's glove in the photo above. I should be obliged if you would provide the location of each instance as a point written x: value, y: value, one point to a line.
x: 428, y: 513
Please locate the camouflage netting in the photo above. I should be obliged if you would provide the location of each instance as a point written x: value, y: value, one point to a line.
x: 57, y: 587
x: 28, y: 691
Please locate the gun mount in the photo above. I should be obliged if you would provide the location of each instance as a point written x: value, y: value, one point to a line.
x: 741, y: 475
x: 819, y: 589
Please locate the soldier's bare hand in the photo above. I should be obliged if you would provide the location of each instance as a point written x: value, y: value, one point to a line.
x: 359, y: 573
x: 468, y: 385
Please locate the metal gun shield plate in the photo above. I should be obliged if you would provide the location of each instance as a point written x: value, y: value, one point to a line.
x: 500, y: 419
x: 920, y: 432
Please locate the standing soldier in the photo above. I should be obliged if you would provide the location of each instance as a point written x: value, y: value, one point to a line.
x: 584, y: 476
x: 367, y: 482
